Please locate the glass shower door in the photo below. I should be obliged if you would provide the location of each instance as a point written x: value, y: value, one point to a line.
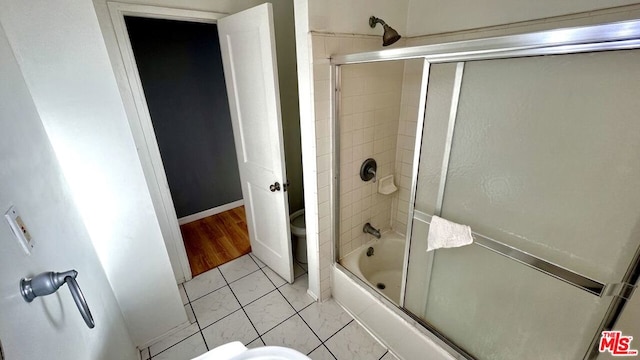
x: 540, y: 154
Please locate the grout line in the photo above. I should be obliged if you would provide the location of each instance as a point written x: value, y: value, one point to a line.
x: 151, y: 357
x: 242, y: 277
x: 280, y: 323
x: 236, y: 280
x: 322, y: 343
x: 314, y: 333
x: 329, y: 350
x: 186, y: 293
x: 242, y: 307
x: 201, y: 296
x: 296, y: 312
x: 236, y: 310
x: 261, y: 296
x: 199, y: 327
x: 334, y: 334
x: 315, y: 348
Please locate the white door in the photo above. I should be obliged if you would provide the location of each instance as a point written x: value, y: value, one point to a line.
x: 249, y: 60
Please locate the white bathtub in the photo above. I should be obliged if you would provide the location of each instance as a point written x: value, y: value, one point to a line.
x: 383, y: 269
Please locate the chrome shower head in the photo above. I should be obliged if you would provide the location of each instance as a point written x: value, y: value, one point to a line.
x: 390, y: 34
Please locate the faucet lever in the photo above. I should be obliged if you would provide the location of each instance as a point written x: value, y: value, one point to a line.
x: 372, y: 171
x: 368, y: 170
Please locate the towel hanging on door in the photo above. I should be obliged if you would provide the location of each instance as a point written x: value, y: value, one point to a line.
x: 447, y: 234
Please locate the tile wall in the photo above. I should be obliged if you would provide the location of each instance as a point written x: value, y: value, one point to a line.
x: 323, y: 45
x: 368, y: 128
x: 371, y: 106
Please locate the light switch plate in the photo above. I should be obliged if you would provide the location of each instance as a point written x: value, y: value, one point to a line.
x: 19, y: 229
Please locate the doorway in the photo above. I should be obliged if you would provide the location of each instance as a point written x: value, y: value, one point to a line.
x: 180, y: 67
x: 248, y: 49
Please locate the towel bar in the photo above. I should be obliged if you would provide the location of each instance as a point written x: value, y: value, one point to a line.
x: 580, y: 281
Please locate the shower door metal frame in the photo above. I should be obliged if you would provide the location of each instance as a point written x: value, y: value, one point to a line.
x: 606, y: 37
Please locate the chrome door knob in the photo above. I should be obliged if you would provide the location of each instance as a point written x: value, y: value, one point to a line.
x: 274, y: 187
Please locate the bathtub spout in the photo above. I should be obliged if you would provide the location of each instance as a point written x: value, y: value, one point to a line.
x: 371, y: 230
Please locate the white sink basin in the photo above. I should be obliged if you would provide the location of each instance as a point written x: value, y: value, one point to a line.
x: 236, y: 351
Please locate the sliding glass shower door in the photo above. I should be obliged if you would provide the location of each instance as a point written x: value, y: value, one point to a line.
x: 539, y: 155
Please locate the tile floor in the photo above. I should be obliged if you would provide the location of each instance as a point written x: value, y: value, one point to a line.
x: 245, y: 301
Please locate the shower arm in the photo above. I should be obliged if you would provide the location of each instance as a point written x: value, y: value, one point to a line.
x: 374, y: 20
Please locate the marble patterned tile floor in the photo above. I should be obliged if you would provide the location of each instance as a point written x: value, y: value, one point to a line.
x: 245, y: 301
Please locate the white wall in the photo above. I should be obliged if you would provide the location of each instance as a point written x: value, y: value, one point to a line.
x: 439, y: 16
x: 30, y: 178
x: 352, y: 17
x: 308, y: 139
x: 63, y: 58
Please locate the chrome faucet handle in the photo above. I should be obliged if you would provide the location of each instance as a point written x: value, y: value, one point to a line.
x: 368, y: 170
x: 372, y: 171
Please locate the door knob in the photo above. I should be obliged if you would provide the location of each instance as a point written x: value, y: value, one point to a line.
x: 274, y: 187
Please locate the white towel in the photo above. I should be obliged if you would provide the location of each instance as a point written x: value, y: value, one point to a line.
x: 447, y: 234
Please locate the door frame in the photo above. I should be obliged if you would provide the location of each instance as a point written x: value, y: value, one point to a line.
x: 142, y: 127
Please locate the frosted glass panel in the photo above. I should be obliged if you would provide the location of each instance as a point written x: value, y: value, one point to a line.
x: 545, y: 158
x: 418, y: 271
x: 496, y: 308
x: 436, y: 119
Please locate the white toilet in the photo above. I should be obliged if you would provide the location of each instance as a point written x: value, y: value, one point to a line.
x: 299, y: 236
x: 236, y: 351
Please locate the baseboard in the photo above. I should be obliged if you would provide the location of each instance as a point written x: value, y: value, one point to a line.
x: 213, y: 211
x: 168, y: 333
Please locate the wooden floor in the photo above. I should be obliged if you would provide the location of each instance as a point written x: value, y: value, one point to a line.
x: 216, y: 239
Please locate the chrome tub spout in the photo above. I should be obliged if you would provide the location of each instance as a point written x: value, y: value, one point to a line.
x: 371, y: 230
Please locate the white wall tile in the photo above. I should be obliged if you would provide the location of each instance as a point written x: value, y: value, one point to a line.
x: 317, y: 47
